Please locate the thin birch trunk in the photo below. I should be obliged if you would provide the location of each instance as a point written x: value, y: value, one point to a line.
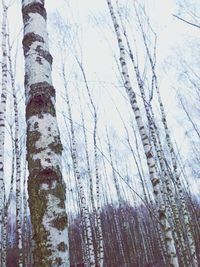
x: 82, y: 198
x: 186, y: 216
x: 93, y: 209
x: 8, y: 202
x: 18, y: 160
x: 159, y: 151
x: 88, y: 161
x: 100, y: 252
x: 120, y: 199
x: 3, y: 99
x: 25, y: 224
x: 4, y: 234
x: 169, y: 241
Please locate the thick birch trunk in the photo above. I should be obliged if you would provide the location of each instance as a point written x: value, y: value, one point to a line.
x: 45, y: 184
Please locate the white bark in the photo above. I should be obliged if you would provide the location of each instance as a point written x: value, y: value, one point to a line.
x: 169, y: 191
x: 171, y: 250
x: 100, y: 252
x: 45, y: 184
x: 83, y: 205
x: 18, y: 161
x: 3, y: 99
x: 186, y: 216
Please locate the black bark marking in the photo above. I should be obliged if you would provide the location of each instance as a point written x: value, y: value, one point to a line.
x: 48, y: 160
x: 30, y: 38
x: 56, y: 146
x: 60, y: 222
x: 33, y: 8
x: 38, y: 105
x: 45, y: 54
x: 36, y: 125
x: 149, y: 155
x: 40, y: 101
x: 42, y: 87
x: 162, y: 215
x: 62, y: 247
x: 39, y: 60
x: 58, y: 261
x: 155, y: 181
x: 32, y: 138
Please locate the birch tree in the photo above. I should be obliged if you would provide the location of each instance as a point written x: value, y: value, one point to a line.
x: 85, y: 216
x: 184, y: 211
x: 17, y: 156
x: 45, y: 183
x: 100, y: 252
x: 169, y: 240
x: 3, y: 100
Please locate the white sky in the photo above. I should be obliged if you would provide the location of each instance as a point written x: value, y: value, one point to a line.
x: 98, y: 44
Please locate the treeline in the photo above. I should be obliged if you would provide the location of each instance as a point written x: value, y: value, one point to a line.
x: 130, y: 234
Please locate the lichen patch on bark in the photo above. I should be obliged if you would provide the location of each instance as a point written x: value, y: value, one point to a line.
x: 43, y: 144
x: 44, y: 53
x: 47, y: 201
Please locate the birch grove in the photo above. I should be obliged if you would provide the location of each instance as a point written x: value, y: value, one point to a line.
x: 99, y: 134
x: 171, y: 250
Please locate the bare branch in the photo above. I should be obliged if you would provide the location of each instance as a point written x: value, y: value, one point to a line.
x: 186, y: 21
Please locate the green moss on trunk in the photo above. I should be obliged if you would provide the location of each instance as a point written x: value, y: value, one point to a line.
x: 38, y: 197
x: 37, y: 203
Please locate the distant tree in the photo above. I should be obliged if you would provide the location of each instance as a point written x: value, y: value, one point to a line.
x: 3, y: 101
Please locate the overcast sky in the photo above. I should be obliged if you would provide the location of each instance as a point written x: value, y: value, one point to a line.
x: 89, y: 23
